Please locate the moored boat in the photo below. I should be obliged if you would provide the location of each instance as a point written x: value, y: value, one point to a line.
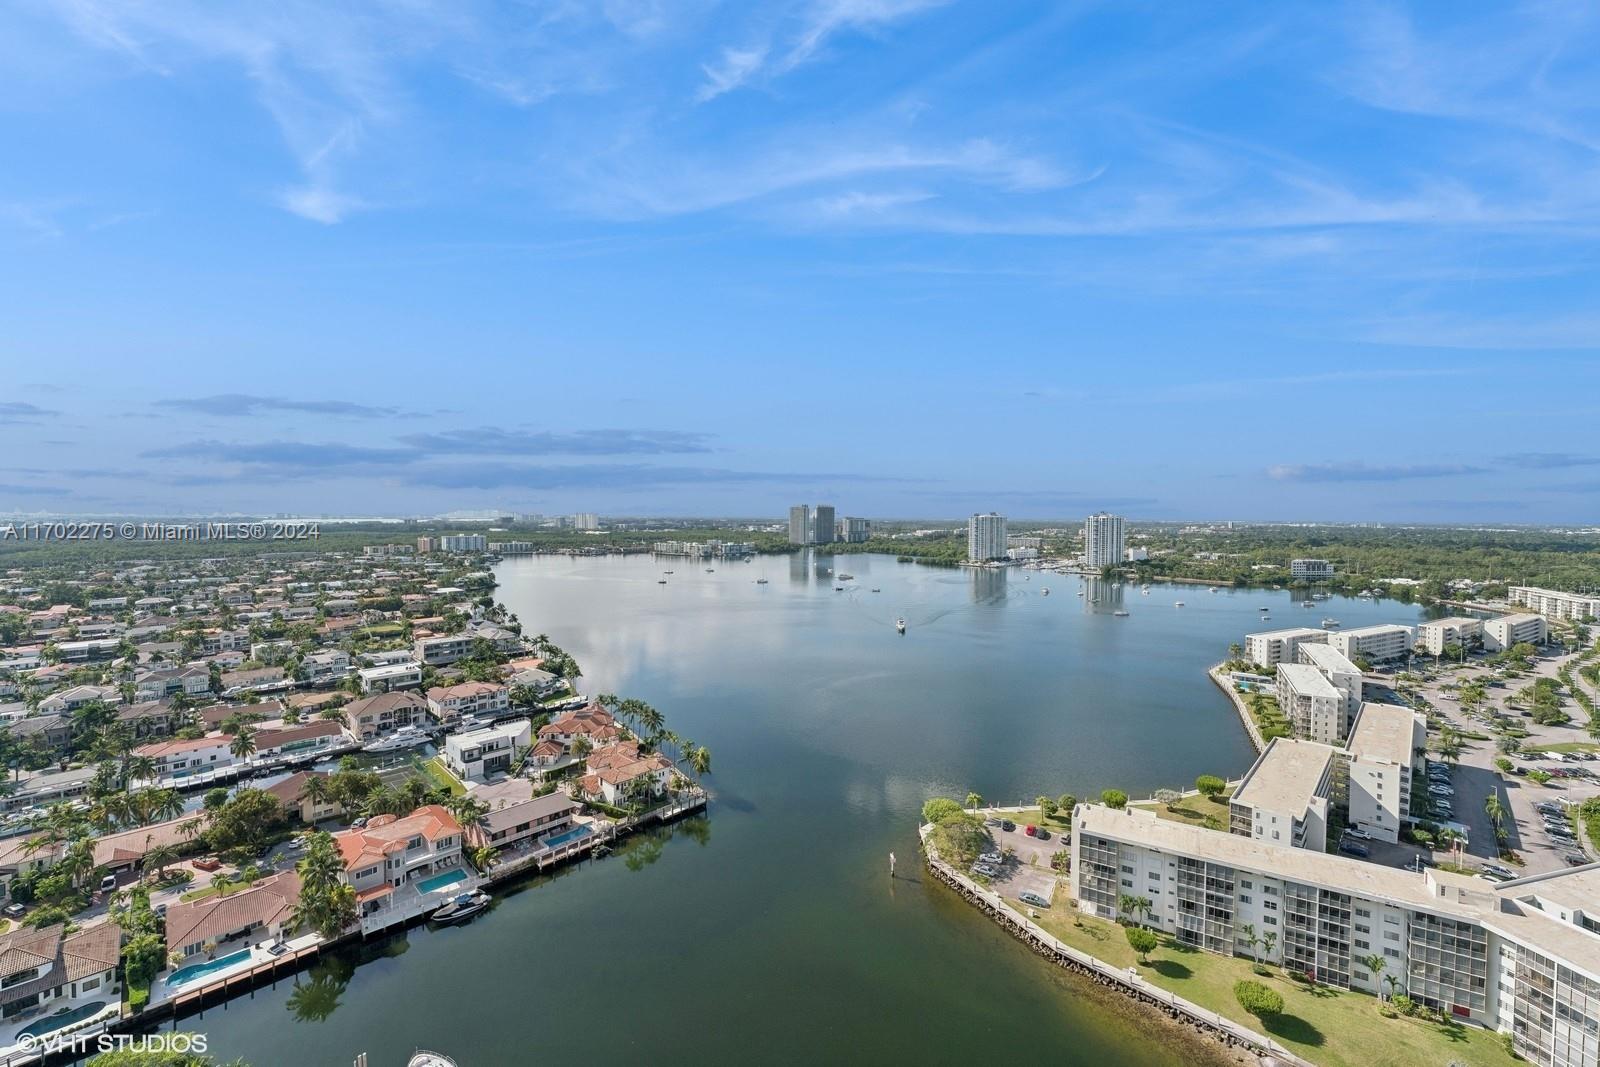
x: 462, y: 906
x: 405, y: 737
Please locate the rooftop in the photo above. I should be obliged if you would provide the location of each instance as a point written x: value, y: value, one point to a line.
x: 1307, y: 680
x: 1287, y: 776
x: 1329, y: 659
x: 1383, y: 732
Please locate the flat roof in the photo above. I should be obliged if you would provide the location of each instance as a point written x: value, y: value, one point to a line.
x: 1293, y: 631
x: 1308, y: 681
x: 1286, y: 776
x: 1328, y: 658
x: 1519, y: 618
x: 1383, y: 732
x: 1374, y: 631
x: 1457, y: 621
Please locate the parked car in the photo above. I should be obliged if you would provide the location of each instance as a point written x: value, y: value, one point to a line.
x: 1354, y: 848
x: 1007, y: 825
x: 984, y: 869
x: 1042, y: 834
x: 1033, y: 898
x: 14, y: 911
x: 1575, y: 860
x: 1031, y: 830
x: 1357, y: 833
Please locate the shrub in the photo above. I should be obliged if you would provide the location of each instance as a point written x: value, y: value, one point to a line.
x: 937, y: 808
x: 1141, y: 940
x: 960, y: 837
x: 1210, y: 785
x: 1257, y: 999
x: 1114, y: 798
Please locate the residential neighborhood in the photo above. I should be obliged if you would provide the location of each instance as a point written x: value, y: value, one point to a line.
x: 217, y: 765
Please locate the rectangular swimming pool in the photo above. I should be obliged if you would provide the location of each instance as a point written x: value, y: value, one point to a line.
x: 566, y: 837
x: 194, y: 972
x: 441, y: 882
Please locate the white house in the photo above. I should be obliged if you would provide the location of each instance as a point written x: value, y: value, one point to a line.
x: 476, y: 754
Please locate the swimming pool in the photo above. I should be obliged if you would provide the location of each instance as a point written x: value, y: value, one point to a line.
x: 67, y: 1018
x: 566, y: 837
x: 184, y: 975
x: 441, y: 881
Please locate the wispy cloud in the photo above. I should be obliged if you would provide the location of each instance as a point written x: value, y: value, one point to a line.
x: 1361, y: 472
x: 490, y: 441
x: 17, y: 411
x: 1548, y: 460
x: 240, y: 405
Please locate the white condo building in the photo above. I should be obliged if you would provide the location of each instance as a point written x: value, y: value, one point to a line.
x: 1314, y: 708
x: 1310, y: 569
x: 1521, y: 957
x: 1103, y: 540
x: 1555, y: 605
x: 1379, y: 757
x: 464, y: 543
x: 1436, y: 635
x: 1273, y: 647
x: 1283, y: 798
x: 1373, y: 643
x: 1510, y: 630
x: 986, y: 537
x: 1340, y: 673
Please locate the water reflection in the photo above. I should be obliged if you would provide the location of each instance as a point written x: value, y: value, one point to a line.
x: 988, y: 584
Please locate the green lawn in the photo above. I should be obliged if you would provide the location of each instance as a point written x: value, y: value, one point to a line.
x: 1571, y: 746
x: 1329, y: 1027
x: 1032, y: 817
x: 226, y: 890
x: 1196, y: 810
x: 440, y: 775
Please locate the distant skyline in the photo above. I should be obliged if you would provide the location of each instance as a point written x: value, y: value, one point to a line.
x: 910, y: 257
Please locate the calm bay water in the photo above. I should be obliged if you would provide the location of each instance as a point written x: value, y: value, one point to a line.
x: 771, y: 932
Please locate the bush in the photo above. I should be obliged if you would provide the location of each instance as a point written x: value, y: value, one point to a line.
x: 1210, y: 785
x: 1114, y: 798
x: 1258, y: 1000
x: 937, y: 808
x: 1141, y: 940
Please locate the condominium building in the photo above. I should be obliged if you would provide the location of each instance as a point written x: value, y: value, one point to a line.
x: 1310, y: 570
x: 586, y: 520
x: 1379, y: 756
x: 800, y: 524
x: 1510, y: 630
x: 1314, y: 708
x: 1521, y: 957
x: 822, y: 525
x: 1284, y: 797
x: 1436, y: 635
x: 1340, y: 673
x: 1103, y: 540
x: 1554, y: 604
x: 986, y: 537
x: 1272, y: 647
x: 1373, y: 643
x: 853, y: 530
x: 463, y: 543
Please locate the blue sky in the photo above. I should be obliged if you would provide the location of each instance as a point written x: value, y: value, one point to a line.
x: 1299, y: 261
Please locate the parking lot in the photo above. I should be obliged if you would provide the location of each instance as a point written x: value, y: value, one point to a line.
x: 1026, y: 868
x: 1475, y: 777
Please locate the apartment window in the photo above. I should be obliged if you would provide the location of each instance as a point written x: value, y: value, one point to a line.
x: 1127, y: 868
x: 1270, y: 905
x: 1364, y: 913
x: 1361, y: 944
x: 1270, y: 890
x: 1127, y: 883
x: 1362, y: 976
x: 1269, y: 920
x: 1244, y: 883
x: 1392, y: 953
x: 1390, y: 935
x: 1244, y: 898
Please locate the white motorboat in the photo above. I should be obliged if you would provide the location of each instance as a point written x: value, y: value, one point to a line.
x: 900, y: 625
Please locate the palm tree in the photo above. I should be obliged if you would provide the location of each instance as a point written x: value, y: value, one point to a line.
x: 243, y: 745
x: 1376, y: 964
x: 1496, y: 812
x: 165, y: 804
x: 317, y: 790
x: 142, y: 768
x: 973, y: 800
x: 158, y: 857
x: 1250, y: 938
x: 1269, y: 941
x: 700, y: 761
x: 468, y: 810
x: 1393, y: 982
x: 484, y: 858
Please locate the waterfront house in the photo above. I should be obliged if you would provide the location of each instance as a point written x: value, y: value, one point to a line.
x: 542, y: 683
x: 252, y: 679
x: 375, y: 716
x: 126, y: 849
x: 150, y: 719
x: 54, y: 732
x: 614, y: 770
x: 389, y: 677
x: 439, y: 651
x: 390, y: 852
x: 160, y: 684
x: 325, y: 668
x: 262, y: 912
x: 446, y: 704
x: 42, y: 970
x: 477, y: 754
x: 183, y: 757
x: 591, y: 722
x: 298, y: 740
x: 17, y: 858
x: 516, y: 816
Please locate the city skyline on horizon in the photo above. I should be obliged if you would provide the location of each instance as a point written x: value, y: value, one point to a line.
x: 1323, y: 265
